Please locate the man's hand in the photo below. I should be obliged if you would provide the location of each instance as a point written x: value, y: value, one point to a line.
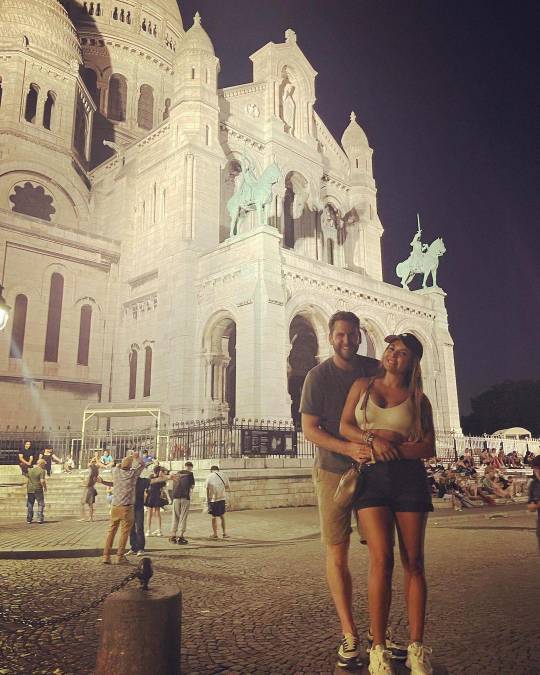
x: 358, y: 452
x: 383, y: 450
x: 532, y: 507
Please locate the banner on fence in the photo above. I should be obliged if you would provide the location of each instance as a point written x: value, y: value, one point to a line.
x: 267, y: 442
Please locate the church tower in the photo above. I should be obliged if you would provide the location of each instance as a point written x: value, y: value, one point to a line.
x: 366, y: 253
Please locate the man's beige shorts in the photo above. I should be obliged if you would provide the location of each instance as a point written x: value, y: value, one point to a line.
x: 335, y: 520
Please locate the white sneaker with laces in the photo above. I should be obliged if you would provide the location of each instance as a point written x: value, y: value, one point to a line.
x: 348, y: 650
x: 140, y: 553
x: 418, y: 659
x: 147, y: 533
x: 380, y: 661
x: 397, y: 652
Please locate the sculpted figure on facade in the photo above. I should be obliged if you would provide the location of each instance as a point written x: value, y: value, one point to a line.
x: 423, y: 259
x: 289, y: 108
x: 252, y: 193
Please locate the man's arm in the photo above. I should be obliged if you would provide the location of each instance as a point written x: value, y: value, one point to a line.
x: 43, y: 482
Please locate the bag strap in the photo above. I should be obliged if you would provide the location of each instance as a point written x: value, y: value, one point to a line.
x: 363, y: 407
x: 220, y: 478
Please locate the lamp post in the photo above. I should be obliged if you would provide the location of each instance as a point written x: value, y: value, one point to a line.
x: 4, y: 310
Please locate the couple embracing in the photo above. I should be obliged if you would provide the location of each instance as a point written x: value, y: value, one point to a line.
x: 359, y: 410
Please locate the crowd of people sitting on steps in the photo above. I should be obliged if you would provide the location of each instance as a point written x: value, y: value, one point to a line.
x: 467, y: 483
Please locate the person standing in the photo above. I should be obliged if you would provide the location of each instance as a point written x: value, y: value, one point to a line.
x: 124, y: 479
x: 35, y: 491
x: 26, y: 457
x: 323, y: 396
x: 49, y: 457
x: 216, y: 486
x: 534, y: 494
x: 137, y: 540
x: 183, y: 484
x: 89, y: 492
x: 391, y: 413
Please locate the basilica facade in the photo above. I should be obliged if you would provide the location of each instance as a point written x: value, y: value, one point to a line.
x: 166, y: 242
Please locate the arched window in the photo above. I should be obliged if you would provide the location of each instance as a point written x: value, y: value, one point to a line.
x: 52, y: 337
x: 147, y: 371
x: 80, y: 130
x: 117, y: 98
x: 133, y: 374
x: 145, y: 108
x: 84, y: 335
x: 48, y: 110
x: 18, y: 327
x: 31, y: 104
x: 89, y: 77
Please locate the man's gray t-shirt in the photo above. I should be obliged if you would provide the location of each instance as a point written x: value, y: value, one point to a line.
x: 324, y: 394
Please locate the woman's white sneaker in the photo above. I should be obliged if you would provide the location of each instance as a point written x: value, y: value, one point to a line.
x: 418, y: 659
x: 380, y: 661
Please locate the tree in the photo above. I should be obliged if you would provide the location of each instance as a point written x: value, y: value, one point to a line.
x: 509, y: 404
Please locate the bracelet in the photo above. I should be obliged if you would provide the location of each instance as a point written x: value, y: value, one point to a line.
x: 369, y: 438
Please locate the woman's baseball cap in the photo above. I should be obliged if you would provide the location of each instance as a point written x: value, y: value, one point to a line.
x: 409, y: 340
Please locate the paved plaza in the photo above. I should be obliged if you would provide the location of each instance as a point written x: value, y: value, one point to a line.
x: 257, y: 602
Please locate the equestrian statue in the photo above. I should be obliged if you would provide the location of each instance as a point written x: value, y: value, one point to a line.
x: 423, y: 259
x: 252, y: 193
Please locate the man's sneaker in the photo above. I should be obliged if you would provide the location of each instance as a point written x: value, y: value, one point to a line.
x: 418, y: 659
x: 380, y: 662
x: 348, y: 650
x: 173, y: 540
x: 397, y: 652
x: 130, y: 552
x: 141, y: 552
x: 181, y: 540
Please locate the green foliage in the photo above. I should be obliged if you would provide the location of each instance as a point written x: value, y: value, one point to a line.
x: 509, y: 404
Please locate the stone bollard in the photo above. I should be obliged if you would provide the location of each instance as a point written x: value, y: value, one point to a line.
x: 140, y: 633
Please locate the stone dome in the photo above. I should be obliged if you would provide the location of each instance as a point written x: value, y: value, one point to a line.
x: 43, y: 27
x: 197, y: 38
x: 354, y: 137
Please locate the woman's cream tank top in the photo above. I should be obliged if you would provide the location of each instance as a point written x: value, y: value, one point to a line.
x: 397, y: 418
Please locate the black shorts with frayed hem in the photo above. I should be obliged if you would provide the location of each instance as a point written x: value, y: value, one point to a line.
x: 400, y: 485
x: 216, y: 508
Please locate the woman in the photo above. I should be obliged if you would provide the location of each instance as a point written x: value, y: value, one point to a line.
x: 391, y: 414
x: 89, y: 493
x: 154, y: 501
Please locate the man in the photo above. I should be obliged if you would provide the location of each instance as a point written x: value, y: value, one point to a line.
x: 124, y: 479
x: 26, y: 457
x: 323, y: 398
x: 183, y: 484
x: 36, y: 487
x: 216, y: 485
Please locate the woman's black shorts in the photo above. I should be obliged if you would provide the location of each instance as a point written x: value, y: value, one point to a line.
x: 401, y: 485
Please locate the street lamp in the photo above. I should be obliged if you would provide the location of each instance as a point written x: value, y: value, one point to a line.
x: 4, y: 310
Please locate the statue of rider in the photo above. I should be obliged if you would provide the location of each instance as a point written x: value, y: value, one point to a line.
x: 417, y: 249
x: 249, y: 179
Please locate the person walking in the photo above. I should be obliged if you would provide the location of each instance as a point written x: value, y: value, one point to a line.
x: 183, y: 484
x: 323, y: 397
x: 26, y: 457
x: 390, y: 414
x: 216, y: 486
x: 36, y: 487
x: 124, y: 479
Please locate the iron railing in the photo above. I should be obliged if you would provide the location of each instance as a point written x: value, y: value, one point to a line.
x: 216, y: 439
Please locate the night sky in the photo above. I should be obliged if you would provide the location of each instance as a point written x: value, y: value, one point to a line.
x: 448, y: 94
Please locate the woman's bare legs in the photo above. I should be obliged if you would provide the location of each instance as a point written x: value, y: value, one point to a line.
x: 377, y: 525
x: 411, y: 528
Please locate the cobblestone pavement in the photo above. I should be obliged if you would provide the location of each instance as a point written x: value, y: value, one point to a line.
x: 262, y: 606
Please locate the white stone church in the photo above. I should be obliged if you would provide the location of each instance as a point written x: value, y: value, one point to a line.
x: 128, y: 281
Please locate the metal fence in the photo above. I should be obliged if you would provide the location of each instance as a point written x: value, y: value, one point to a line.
x: 216, y: 439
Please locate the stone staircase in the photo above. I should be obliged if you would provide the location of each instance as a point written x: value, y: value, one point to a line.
x: 63, y: 496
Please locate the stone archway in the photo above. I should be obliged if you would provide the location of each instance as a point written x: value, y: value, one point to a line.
x: 302, y: 358
x: 220, y: 368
